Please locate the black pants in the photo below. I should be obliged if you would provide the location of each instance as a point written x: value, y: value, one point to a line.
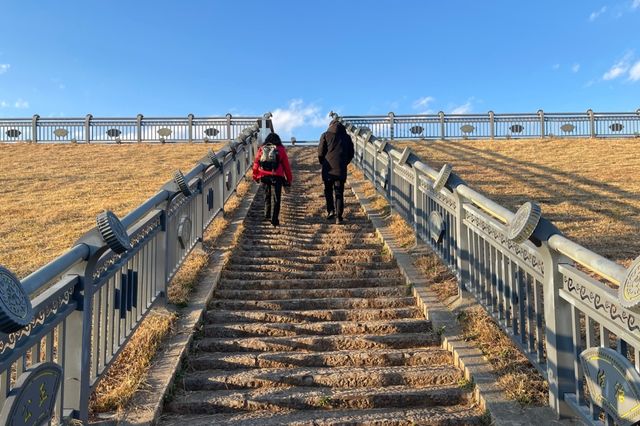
x: 334, y: 187
x: 272, y: 191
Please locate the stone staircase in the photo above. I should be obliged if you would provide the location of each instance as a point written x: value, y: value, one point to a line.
x: 313, y: 324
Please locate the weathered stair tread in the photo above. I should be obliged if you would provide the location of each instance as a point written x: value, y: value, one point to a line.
x: 221, y: 316
x: 285, y: 294
x: 300, y: 260
x: 318, y: 343
x: 455, y: 415
x: 340, y: 377
x: 432, y: 356
x: 323, y: 328
x: 308, y: 283
x: 305, y: 398
x: 312, y: 304
x: 327, y: 275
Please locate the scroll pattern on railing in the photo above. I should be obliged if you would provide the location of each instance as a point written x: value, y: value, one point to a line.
x: 555, y: 299
x: 89, y: 301
x: 500, y: 126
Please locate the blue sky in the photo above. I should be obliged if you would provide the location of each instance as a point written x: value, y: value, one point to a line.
x: 301, y: 59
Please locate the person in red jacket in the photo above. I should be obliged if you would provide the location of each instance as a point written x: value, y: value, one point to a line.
x: 271, y: 168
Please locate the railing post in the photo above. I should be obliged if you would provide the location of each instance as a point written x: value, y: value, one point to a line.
x: 87, y: 128
x: 418, y: 208
x: 77, y: 347
x: 442, y: 129
x: 492, y: 128
x: 34, y: 128
x: 462, y: 239
x: 162, y: 253
x: 190, y: 128
x: 592, y: 123
x: 558, y: 333
x: 139, y: 127
x: 229, y: 136
x: 542, y: 125
x: 391, y: 125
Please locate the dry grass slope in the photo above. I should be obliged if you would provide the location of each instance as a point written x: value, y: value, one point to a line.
x: 52, y: 193
x: 589, y: 188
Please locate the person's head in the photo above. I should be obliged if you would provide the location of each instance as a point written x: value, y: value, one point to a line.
x: 273, y: 139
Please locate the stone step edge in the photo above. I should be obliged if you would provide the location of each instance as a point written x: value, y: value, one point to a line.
x: 145, y: 407
x: 490, y: 397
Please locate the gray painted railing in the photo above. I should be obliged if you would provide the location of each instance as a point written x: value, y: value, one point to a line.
x: 501, y: 126
x: 554, y: 298
x: 123, y: 130
x: 87, y: 303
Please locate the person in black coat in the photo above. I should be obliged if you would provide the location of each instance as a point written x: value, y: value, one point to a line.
x: 335, y: 152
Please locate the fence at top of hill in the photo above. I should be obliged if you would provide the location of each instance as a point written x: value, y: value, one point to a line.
x: 541, y: 124
x: 137, y: 129
x: 572, y: 312
x: 62, y: 326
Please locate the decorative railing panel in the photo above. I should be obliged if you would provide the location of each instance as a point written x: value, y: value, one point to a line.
x: 572, y: 312
x: 500, y: 126
x: 84, y: 306
x: 123, y: 130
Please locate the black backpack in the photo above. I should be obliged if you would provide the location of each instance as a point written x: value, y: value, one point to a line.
x: 270, y: 157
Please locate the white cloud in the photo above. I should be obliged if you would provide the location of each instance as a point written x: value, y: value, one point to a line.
x: 3, y: 104
x: 297, y: 115
x: 465, y: 108
x: 619, y: 68
x: 635, y: 4
x: 634, y: 71
x: 422, y: 104
x: 575, y: 67
x: 556, y: 66
x: 4, y: 68
x: 21, y: 103
x: 595, y: 15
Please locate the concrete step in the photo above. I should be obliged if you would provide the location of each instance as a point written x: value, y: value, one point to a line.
x: 296, y: 398
x: 250, y: 245
x: 325, y: 328
x: 300, y: 267
x: 223, y: 317
x: 309, y: 283
x: 367, y: 292
x: 432, y: 356
x: 313, y: 304
x: 336, y: 377
x: 318, y: 343
x: 454, y: 415
x: 294, y: 259
x: 323, y: 275
x: 265, y: 252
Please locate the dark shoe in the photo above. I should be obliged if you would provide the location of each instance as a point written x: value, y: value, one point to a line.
x: 340, y: 219
x: 275, y: 223
x: 331, y: 216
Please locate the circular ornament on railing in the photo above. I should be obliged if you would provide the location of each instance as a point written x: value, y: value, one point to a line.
x: 524, y: 222
x: 113, y: 133
x: 61, y: 133
x: 179, y: 179
x: 184, y: 231
x: 629, y: 290
x: 164, y: 132
x: 442, y: 178
x: 32, y: 400
x: 416, y: 130
x: 13, y: 133
x: 516, y: 128
x: 16, y: 311
x: 467, y: 128
x: 616, y: 127
x: 214, y: 160
x: 113, y: 232
x: 567, y: 128
x: 227, y: 181
x: 211, y: 131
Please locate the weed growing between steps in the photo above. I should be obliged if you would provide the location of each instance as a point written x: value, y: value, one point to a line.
x: 127, y: 373
x: 519, y: 379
